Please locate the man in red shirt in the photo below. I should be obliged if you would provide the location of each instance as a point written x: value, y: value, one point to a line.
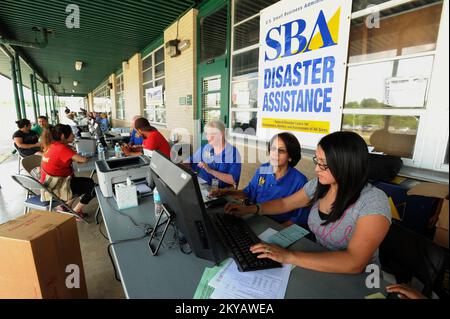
x: 153, y: 139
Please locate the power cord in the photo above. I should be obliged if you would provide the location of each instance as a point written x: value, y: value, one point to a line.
x: 100, y: 230
x: 136, y: 225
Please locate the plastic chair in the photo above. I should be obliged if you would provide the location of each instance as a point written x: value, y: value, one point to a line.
x: 406, y: 254
x: 33, y: 197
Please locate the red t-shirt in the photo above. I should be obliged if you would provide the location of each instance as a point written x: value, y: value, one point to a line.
x: 57, y: 161
x: 156, y: 142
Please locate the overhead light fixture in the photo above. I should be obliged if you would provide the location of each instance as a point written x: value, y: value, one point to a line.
x: 73, y: 91
x: 172, y: 48
x: 75, y: 83
x: 78, y: 65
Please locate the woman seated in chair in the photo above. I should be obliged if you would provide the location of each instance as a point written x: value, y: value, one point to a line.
x: 348, y: 216
x: 276, y: 179
x: 218, y: 159
x: 56, y: 167
x: 26, y: 141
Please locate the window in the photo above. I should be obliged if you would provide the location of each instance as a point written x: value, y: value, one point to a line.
x: 120, y: 99
x: 153, y: 75
x: 389, y: 75
x: 102, y: 99
x: 213, y: 35
x: 244, y: 65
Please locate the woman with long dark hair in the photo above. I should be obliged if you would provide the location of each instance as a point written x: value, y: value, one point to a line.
x: 57, y: 164
x: 348, y: 215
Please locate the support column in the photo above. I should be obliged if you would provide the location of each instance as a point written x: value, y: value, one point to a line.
x: 20, y: 84
x: 45, y: 100
x: 37, y: 94
x: 33, y: 97
x: 14, y: 84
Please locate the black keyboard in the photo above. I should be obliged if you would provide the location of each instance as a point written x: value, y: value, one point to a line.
x: 239, y: 237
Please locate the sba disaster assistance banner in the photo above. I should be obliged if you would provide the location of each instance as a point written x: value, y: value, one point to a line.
x: 302, y: 67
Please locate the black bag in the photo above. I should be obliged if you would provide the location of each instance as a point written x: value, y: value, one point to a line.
x: 383, y: 167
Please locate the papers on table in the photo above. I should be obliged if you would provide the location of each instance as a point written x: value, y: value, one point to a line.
x: 230, y: 283
x: 227, y: 282
x: 201, y: 180
x: 143, y: 188
x: 204, y: 291
x: 288, y: 236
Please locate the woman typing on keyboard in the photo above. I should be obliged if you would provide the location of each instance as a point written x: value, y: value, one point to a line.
x: 348, y: 216
x: 276, y: 179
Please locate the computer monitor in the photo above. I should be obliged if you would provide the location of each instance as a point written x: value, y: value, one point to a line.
x: 180, y: 193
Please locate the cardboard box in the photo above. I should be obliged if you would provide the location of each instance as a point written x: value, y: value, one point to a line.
x: 40, y: 257
x: 440, y: 217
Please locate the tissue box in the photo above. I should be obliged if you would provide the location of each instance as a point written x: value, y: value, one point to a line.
x: 126, y: 196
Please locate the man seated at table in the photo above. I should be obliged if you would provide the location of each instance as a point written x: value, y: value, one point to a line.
x: 153, y: 140
x: 41, y: 125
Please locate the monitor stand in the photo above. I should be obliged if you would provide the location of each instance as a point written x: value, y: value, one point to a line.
x: 168, y: 221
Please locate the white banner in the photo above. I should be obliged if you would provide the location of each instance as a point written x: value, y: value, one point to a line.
x: 302, y: 68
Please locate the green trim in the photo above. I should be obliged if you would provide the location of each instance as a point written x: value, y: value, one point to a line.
x: 220, y: 66
x: 152, y: 46
x: 208, y: 7
x: 117, y: 73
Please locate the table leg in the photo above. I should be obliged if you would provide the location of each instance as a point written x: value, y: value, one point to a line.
x: 97, y: 213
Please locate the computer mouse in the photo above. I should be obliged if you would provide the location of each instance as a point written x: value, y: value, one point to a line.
x: 393, y: 295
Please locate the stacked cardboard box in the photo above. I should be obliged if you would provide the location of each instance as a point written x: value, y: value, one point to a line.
x: 40, y: 257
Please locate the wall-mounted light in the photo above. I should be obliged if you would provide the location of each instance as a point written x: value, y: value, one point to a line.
x: 75, y: 83
x: 172, y: 48
x: 184, y: 44
x: 78, y: 65
x: 110, y: 86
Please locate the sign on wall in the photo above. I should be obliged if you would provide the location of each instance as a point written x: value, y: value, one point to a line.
x: 154, y: 96
x: 302, y: 67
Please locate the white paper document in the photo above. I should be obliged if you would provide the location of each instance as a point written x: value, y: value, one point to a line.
x: 230, y: 283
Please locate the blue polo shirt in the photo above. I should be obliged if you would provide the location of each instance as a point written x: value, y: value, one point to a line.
x: 228, y: 162
x: 265, y: 187
x: 134, y: 140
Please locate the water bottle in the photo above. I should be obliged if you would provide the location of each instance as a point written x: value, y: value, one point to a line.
x: 158, y: 203
x: 100, y: 151
x: 117, y: 151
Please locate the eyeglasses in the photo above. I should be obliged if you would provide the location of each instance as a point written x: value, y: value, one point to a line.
x: 323, y: 167
x: 280, y: 151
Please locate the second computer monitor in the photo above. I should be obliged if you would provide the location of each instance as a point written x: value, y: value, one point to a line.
x: 180, y: 193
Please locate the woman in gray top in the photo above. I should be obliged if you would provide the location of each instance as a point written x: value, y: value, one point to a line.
x: 348, y: 216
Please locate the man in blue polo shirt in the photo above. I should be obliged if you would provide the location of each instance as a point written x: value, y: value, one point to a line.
x: 217, y: 159
x: 277, y: 179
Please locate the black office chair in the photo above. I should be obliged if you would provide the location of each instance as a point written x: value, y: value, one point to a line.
x: 406, y: 254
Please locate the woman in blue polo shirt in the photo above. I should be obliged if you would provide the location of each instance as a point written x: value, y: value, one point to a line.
x: 276, y: 179
x: 217, y: 159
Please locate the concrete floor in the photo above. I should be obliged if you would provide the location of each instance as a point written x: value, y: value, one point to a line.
x: 99, y: 272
